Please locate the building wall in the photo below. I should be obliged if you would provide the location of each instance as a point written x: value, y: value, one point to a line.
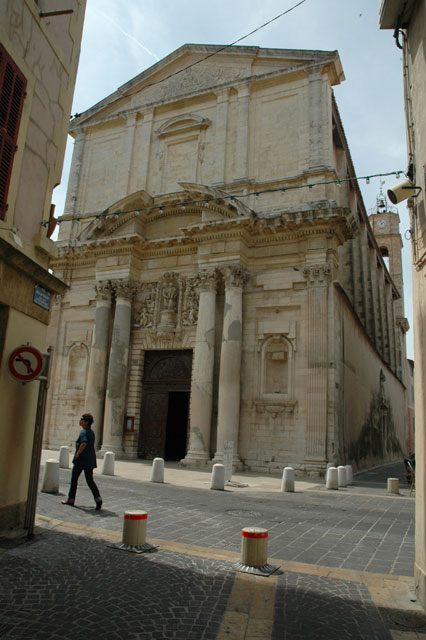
x: 46, y: 51
x: 293, y: 256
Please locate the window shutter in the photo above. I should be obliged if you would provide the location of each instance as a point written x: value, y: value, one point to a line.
x: 12, y: 92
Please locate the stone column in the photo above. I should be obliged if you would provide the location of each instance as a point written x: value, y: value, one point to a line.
x: 316, y: 116
x: 228, y: 420
x: 241, y: 160
x: 115, y: 401
x: 73, y: 192
x: 200, y: 417
x: 96, y: 380
x: 318, y: 277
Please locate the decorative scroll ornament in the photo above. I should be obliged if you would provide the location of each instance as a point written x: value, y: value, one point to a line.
x: 317, y: 274
x: 235, y: 276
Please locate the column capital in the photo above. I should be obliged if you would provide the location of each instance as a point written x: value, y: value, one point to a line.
x: 235, y: 275
x: 125, y: 288
x: 206, y: 280
x: 103, y: 290
x: 317, y: 274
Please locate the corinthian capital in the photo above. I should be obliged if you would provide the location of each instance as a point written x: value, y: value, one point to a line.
x: 206, y: 280
x: 235, y: 275
x: 103, y: 290
x: 317, y: 274
x: 125, y: 288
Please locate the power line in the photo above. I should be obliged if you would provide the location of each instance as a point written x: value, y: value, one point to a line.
x: 185, y: 203
x: 214, y: 53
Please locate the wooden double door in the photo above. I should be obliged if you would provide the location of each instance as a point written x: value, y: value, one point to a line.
x: 164, y: 424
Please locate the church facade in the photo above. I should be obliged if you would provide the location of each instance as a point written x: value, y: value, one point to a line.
x: 224, y: 280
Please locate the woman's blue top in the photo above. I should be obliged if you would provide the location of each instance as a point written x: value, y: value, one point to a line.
x: 86, y: 459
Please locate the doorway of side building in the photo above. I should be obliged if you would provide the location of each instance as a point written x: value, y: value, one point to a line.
x: 163, y: 430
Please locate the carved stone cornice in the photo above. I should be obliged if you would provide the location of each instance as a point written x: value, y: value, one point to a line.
x: 235, y: 275
x: 317, y: 275
x: 206, y: 280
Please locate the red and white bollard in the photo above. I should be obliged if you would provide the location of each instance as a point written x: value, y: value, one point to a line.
x: 254, y: 552
x: 134, y: 533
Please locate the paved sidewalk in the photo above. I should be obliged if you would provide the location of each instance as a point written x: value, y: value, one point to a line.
x: 345, y: 557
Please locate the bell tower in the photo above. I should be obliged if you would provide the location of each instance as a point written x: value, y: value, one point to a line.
x: 385, y: 223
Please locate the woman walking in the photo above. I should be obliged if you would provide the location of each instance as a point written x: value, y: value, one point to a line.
x: 84, y: 460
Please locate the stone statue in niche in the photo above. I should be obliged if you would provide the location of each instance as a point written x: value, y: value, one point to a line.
x: 168, y: 299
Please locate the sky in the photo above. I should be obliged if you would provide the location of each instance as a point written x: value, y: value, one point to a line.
x: 122, y: 38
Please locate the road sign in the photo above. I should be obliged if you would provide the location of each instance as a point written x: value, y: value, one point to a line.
x: 25, y: 363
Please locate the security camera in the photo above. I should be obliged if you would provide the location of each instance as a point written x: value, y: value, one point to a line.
x: 402, y: 191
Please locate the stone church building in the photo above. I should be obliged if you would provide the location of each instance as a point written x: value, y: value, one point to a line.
x: 224, y: 280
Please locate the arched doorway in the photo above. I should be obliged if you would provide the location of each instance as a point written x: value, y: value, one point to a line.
x: 165, y: 405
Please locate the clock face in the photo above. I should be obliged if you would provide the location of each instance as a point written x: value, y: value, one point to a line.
x: 381, y: 224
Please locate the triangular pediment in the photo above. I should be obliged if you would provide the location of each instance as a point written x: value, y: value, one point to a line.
x: 203, y: 67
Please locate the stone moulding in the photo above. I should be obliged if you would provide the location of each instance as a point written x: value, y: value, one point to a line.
x: 274, y: 409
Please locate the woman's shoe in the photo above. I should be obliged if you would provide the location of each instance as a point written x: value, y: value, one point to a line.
x: 71, y: 503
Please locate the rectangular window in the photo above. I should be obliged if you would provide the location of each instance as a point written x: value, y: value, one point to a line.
x: 12, y: 93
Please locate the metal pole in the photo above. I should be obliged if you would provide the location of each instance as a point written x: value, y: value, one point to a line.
x: 37, y: 445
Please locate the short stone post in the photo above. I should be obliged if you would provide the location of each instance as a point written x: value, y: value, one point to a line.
x: 108, y: 463
x: 218, y: 477
x: 157, y: 470
x: 341, y: 476
x: 134, y: 528
x: 51, y: 477
x: 393, y: 486
x: 331, y: 481
x: 287, y: 482
x: 64, y: 457
x: 349, y: 474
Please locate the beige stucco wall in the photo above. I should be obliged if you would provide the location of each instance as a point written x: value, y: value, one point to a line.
x: 46, y: 50
x: 364, y: 395
x: 18, y: 420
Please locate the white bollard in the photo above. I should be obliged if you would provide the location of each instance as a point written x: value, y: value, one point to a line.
x: 51, y: 477
x: 331, y: 481
x: 218, y: 477
x: 393, y: 485
x: 108, y: 463
x: 157, y: 470
x: 349, y: 474
x: 64, y: 457
x: 134, y: 528
x: 341, y: 476
x: 254, y: 547
x: 287, y: 482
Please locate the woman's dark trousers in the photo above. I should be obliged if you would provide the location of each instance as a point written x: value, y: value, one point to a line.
x: 76, y: 471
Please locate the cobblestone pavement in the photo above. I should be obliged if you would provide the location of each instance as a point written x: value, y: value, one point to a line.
x: 346, y: 565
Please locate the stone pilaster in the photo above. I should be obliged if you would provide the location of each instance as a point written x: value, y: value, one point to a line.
x: 241, y: 160
x: 202, y: 374
x: 115, y: 401
x: 222, y: 103
x: 96, y: 380
x: 318, y: 277
x: 127, y: 145
x: 145, y: 143
x: 228, y: 420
